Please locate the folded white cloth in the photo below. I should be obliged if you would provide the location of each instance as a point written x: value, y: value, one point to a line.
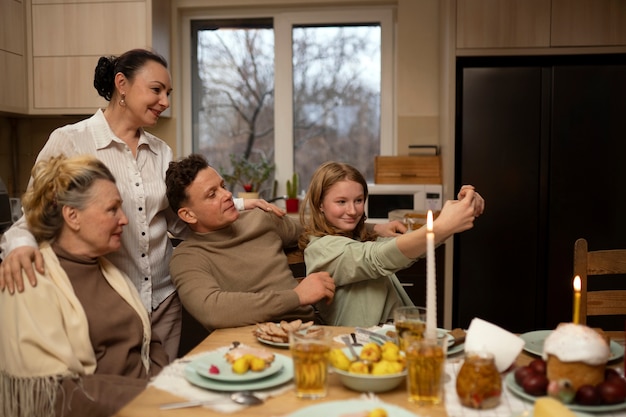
x: 485, y: 336
x: 172, y: 379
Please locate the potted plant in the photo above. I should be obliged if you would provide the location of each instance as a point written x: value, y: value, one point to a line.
x: 292, y: 202
x: 249, y: 174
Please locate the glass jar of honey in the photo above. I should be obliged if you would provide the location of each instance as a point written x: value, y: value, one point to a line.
x: 478, y: 383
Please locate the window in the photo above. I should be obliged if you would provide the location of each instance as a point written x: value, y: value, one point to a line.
x: 297, y: 89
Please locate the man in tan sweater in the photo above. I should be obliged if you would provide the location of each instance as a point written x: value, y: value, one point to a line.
x: 233, y: 270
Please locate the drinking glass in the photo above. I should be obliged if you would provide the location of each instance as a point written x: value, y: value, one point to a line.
x: 409, y: 321
x: 426, y: 375
x: 310, y: 350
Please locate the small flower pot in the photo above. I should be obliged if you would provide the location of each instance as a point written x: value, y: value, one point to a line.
x: 292, y: 205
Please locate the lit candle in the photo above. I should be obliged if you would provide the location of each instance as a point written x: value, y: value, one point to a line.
x: 431, y: 286
x: 576, y: 317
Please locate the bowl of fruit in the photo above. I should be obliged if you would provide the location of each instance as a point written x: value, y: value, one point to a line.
x: 531, y: 382
x: 376, y: 369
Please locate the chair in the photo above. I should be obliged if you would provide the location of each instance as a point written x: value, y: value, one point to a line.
x: 597, y: 267
x: 295, y: 258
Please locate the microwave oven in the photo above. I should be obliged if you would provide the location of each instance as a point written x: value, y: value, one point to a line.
x: 383, y: 198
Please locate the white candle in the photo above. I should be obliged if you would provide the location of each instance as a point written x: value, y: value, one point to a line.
x: 431, y: 286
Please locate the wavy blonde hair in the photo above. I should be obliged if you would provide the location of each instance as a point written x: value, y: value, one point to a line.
x: 57, y: 182
x: 324, y: 177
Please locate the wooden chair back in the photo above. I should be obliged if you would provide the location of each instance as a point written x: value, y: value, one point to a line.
x: 593, y: 265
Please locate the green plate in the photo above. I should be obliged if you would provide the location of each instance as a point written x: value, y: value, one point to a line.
x: 534, y: 344
x: 529, y: 413
x: 285, y: 374
x: 340, y: 408
x: 510, y: 383
x: 204, y: 363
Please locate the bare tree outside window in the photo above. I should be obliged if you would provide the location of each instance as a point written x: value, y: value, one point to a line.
x: 336, y: 96
x: 336, y: 74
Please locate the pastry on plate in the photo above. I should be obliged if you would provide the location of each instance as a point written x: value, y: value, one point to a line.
x: 576, y: 353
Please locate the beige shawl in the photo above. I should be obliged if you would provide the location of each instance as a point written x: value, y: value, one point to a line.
x: 45, y: 337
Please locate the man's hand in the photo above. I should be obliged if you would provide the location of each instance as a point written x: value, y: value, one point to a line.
x: 19, y: 259
x: 315, y: 287
x: 250, y: 203
x: 390, y: 229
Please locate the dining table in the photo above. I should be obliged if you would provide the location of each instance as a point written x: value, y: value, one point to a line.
x: 285, y: 402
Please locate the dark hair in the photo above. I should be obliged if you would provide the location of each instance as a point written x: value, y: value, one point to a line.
x: 128, y: 64
x: 179, y: 175
x: 57, y: 182
x: 324, y: 177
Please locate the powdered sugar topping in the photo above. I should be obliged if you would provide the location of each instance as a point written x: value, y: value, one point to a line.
x: 576, y: 343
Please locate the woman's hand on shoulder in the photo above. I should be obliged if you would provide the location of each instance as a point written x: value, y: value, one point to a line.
x: 250, y: 203
x: 21, y: 258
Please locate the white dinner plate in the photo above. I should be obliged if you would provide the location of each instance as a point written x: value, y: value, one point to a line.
x: 452, y: 350
x: 510, y: 383
x: 534, y: 344
x: 529, y: 413
x: 203, y: 365
x: 341, y: 408
x: 285, y: 374
x: 282, y: 345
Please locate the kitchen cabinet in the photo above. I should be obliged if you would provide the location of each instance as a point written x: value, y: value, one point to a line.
x: 69, y: 37
x: 12, y: 57
x: 588, y: 23
x: 542, y: 139
x: 503, y: 23
x: 540, y: 23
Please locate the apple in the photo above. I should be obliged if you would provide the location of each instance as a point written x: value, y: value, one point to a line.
x: 588, y: 395
x: 538, y: 365
x: 521, y: 374
x: 535, y: 384
x: 611, y: 392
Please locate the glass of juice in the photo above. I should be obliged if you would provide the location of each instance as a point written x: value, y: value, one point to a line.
x: 409, y: 321
x: 425, y: 359
x: 310, y: 350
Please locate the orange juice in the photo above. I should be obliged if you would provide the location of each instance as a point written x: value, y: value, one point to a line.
x: 310, y: 350
x: 426, y: 370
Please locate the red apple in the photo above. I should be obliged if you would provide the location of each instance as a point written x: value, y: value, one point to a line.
x: 538, y: 365
x: 611, y: 392
x: 535, y: 384
x: 521, y: 374
x: 588, y: 395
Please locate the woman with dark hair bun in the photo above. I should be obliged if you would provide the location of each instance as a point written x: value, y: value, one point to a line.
x: 137, y: 85
x: 79, y: 343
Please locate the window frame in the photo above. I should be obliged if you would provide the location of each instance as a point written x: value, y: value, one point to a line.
x: 284, y: 20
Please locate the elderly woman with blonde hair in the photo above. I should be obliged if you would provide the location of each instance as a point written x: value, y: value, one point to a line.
x: 79, y: 343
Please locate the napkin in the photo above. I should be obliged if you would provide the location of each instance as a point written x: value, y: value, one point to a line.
x: 172, y: 379
x: 504, y: 345
x: 364, y: 338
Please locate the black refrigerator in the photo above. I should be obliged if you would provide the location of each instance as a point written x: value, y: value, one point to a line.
x: 544, y: 141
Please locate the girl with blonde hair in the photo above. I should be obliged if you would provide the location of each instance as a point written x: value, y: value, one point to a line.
x: 363, y: 265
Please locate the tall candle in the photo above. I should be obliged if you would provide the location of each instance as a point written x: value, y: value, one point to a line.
x: 431, y: 286
x: 576, y: 317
